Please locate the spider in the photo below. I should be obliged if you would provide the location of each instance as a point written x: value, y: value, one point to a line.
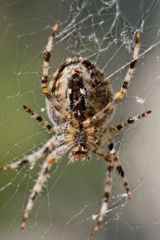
x: 80, y: 103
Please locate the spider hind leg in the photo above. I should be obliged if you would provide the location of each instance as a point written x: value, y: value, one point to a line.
x: 43, y: 176
x: 107, y: 190
x: 37, y: 189
x: 33, y: 157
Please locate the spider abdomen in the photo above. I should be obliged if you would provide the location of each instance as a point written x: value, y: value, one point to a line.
x: 80, y: 88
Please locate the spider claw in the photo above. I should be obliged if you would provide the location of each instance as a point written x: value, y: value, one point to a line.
x: 56, y: 27
x: 129, y: 195
x: 1, y: 169
x: 23, y: 225
x: 96, y: 227
x: 5, y: 168
x: 137, y: 36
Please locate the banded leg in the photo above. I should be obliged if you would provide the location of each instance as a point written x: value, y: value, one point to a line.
x: 107, y: 190
x: 121, y: 94
x: 130, y: 121
x: 113, y: 162
x: 121, y: 172
x: 32, y: 158
x: 37, y: 189
x: 41, y: 180
x: 45, y: 89
x: 96, y: 119
x: 119, y: 167
x: 111, y: 147
x: 43, y: 122
x: 108, y: 109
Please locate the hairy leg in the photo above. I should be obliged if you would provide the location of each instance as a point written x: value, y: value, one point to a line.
x: 107, y: 190
x: 41, y: 180
x: 46, y: 148
x: 120, y: 170
x: 47, y: 54
x: 38, y: 118
x: 112, y: 162
x: 129, y: 122
x: 122, y: 93
x: 53, y: 106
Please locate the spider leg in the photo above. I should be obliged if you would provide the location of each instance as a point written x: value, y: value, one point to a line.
x: 45, y: 89
x: 43, y: 122
x: 112, y: 162
x: 130, y: 121
x: 121, y: 94
x: 51, y: 101
x: 107, y: 190
x: 108, y: 109
x: 40, y: 182
x: 32, y: 158
x: 120, y: 170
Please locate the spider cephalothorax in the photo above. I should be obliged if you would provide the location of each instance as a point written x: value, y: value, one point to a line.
x: 80, y: 103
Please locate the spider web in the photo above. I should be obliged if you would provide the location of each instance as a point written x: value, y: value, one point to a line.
x: 102, y: 31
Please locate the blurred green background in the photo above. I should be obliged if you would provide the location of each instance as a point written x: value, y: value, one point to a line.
x: 103, y: 32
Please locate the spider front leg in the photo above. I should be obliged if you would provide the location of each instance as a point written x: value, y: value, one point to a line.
x: 47, y: 54
x: 108, y: 109
x: 121, y: 94
x: 41, y: 180
x: 51, y: 102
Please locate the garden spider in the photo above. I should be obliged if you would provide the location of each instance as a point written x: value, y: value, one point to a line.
x: 80, y: 103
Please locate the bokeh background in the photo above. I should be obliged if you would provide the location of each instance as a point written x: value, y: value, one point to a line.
x: 102, y: 31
